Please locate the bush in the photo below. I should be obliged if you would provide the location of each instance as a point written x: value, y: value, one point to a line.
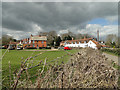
x: 115, y: 51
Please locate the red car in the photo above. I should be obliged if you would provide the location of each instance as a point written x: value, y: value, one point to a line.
x: 67, y: 48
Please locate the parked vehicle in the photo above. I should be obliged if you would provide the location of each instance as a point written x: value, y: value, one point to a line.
x: 60, y: 47
x: 19, y: 46
x: 2, y: 47
x: 11, y: 47
x: 67, y: 48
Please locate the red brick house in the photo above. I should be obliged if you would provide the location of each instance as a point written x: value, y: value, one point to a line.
x: 35, y: 41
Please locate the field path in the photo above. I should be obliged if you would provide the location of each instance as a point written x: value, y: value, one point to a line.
x: 112, y: 57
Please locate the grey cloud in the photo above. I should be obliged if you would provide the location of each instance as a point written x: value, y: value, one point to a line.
x: 54, y: 16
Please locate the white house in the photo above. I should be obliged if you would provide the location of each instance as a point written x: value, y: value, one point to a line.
x: 86, y: 42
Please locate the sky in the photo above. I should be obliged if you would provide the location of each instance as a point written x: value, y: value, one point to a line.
x: 21, y: 19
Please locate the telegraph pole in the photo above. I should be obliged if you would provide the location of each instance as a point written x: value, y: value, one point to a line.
x: 98, y: 35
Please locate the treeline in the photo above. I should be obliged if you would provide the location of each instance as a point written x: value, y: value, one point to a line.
x: 114, y: 51
x: 54, y: 39
x: 113, y: 41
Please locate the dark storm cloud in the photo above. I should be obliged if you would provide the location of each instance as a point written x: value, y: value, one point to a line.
x: 53, y: 16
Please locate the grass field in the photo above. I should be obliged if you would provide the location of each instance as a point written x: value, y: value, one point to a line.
x: 15, y: 57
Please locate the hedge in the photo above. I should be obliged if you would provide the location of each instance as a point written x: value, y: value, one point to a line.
x: 115, y: 51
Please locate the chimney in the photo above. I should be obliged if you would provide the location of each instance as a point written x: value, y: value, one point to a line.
x: 84, y: 37
x: 72, y: 38
x: 98, y: 35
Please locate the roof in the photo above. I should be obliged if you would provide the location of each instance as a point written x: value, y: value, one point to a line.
x: 79, y: 40
x: 97, y: 43
x: 14, y: 42
x: 105, y: 46
x: 37, y: 37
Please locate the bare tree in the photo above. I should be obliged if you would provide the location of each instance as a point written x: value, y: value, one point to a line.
x: 111, y: 38
x: 6, y: 39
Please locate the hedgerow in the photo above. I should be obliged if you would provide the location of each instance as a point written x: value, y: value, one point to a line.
x: 114, y: 51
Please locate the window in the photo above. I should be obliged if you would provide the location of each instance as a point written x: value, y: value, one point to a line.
x: 33, y: 41
x: 84, y: 41
x: 42, y: 41
x: 71, y: 42
x: 33, y: 45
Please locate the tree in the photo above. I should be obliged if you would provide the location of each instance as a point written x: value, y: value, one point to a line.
x: 58, y: 40
x: 79, y: 36
x: 67, y: 38
x: 112, y: 40
x: 6, y: 39
x: 51, y: 38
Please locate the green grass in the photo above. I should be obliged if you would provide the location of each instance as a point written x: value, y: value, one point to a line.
x: 115, y: 52
x: 111, y: 53
x: 36, y: 49
x: 14, y: 56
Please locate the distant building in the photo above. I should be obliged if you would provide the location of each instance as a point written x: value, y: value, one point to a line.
x: 35, y: 41
x: 86, y: 42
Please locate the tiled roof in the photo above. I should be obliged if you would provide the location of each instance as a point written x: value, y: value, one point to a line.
x: 37, y: 37
x: 105, y: 46
x: 14, y: 42
x: 95, y: 42
x: 80, y: 40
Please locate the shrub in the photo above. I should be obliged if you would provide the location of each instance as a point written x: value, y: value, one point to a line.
x: 115, y: 51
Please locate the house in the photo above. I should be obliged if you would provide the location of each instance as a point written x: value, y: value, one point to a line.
x: 35, y: 41
x: 86, y: 42
x: 76, y: 43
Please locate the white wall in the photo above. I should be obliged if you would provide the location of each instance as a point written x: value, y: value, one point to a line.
x: 92, y: 45
x: 89, y: 44
x: 77, y: 45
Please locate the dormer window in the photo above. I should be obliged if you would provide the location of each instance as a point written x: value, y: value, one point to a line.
x: 84, y: 41
x: 75, y: 42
